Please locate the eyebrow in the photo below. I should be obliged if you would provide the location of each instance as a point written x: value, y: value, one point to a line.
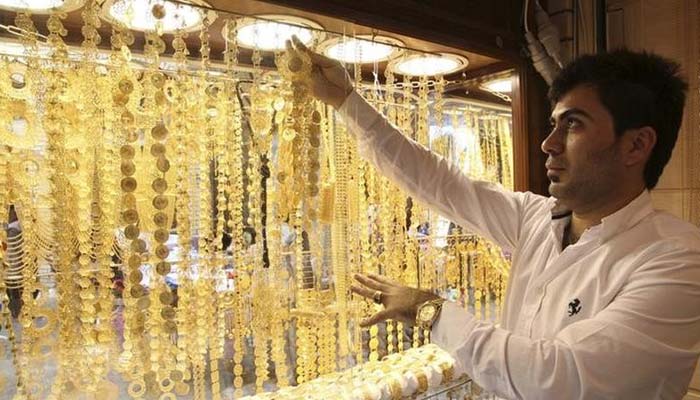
x: 572, y: 111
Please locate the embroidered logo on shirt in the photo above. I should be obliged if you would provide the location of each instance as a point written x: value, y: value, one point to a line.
x: 574, y: 307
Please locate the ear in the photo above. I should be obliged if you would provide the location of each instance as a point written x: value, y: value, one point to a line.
x: 639, y: 144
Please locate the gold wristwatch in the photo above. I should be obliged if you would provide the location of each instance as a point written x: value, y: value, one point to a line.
x: 428, y: 312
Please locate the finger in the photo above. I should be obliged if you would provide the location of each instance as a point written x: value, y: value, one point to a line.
x: 316, y: 58
x: 370, y: 283
x: 382, y: 280
x: 376, y: 318
x: 363, y: 291
x: 290, y: 47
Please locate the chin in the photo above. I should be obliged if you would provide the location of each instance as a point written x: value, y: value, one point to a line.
x: 555, y: 189
x: 563, y: 193
x: 560, y: 192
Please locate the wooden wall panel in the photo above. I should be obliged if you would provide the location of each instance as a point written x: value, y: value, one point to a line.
x: 692, y: 395
x: 669, y: 28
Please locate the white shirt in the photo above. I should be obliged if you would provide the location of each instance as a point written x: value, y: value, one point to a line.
x: 614, y: 316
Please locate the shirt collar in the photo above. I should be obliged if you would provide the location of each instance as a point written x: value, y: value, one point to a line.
x: 617, y: 222
x: 560, y: 219
x: 626, y: 217
x: 558, y: 210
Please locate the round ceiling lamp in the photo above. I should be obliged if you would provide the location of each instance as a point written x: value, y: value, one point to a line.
x: 428, y: 64
x: 499, y: 85
x: 270, y: 32
x: 41, y: 6
x: 362, y: 48
x: 154, y: 15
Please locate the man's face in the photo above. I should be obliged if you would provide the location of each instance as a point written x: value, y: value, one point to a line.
x: 582, y: 164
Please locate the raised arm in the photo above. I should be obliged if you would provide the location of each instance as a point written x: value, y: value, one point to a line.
x: 478, y: 206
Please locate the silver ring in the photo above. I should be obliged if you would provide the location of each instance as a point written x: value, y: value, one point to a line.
x: 377, y: 297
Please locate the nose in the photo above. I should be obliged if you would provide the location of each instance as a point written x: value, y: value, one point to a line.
x: 553, y: 143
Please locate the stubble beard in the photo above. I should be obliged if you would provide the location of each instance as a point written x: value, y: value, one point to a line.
x: 595, y: 181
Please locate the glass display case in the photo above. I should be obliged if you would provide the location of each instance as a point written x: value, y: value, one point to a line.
x: 182, y: 220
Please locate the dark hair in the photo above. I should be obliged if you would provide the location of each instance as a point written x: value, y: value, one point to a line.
x: 638, y: 89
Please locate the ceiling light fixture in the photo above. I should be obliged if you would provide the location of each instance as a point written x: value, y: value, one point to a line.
x: 362, y: 48
x: 428, y: 64
x: 499, y: 85
x: 146, y: 15
x: 41, y: 6
x: 270, y: 32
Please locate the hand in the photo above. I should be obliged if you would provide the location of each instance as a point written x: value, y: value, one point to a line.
x: 330, y: 83
x: 400, y: 302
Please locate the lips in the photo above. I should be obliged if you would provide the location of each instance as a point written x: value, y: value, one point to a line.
x: 553, y: 167
x: 553, y: 171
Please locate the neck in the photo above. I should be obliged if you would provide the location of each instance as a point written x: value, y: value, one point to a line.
x: 582, y: 219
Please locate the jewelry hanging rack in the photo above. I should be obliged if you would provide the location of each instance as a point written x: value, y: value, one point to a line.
x: 14, y: 30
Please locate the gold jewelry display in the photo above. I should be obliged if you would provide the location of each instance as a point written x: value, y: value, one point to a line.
x: 398, y: 376
x: 156, y: 225
x: 393, y: 228
x: 128, y: 169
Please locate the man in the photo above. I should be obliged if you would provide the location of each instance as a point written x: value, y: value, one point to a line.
x: 604, y: 294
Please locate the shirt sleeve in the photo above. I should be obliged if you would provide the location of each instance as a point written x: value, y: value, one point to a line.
x: 648, y: 335
x: 482, y: 207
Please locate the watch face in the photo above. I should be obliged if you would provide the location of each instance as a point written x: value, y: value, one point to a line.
x: 427, y: 312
